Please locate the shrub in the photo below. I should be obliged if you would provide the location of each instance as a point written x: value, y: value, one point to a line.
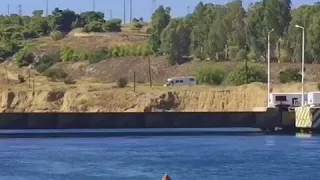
x: 290, y: 75
x: 24, y: 57
x: 21, y: 78
x: 46, y: 61
x: 318, y: 86
x: 94, y: 26
x: 55, y: 74
x: 69, y: 80
x: 210, y: 76
x: 66, y: 54
x: 233, y: 52
x: 254, y: 74
x: 136, y: 26
x: 113, y: 25
x: 284, y: 56
x: 42, y: 67
x: 122, y: 82
x: 241, y: 55
x: 98, y: 56
x: 56, y: 35
x: 252, y: 55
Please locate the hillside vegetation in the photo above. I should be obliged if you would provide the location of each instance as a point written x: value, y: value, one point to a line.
x: 222, y: 45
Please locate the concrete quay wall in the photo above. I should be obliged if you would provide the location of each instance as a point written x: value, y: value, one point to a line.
x: 137, y: 120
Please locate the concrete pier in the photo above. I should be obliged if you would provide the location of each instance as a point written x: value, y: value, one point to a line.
x: 269, y: 119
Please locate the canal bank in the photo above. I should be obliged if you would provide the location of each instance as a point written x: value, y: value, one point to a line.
x: 264, y: 120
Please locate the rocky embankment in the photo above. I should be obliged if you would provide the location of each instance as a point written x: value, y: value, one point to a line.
x: 243, y: 98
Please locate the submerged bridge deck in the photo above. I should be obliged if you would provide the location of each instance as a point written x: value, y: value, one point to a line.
x: 264, y: 120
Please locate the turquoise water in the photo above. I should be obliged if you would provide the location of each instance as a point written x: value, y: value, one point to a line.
x: 207, y: 157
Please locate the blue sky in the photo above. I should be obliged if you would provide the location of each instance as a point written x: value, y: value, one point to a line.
x: 141, y: 8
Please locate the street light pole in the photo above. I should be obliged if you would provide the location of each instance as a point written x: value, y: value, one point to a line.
x: 302, y: 66
x: 269, y: 68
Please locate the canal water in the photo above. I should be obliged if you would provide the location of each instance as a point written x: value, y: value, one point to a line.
x: 185, y: 157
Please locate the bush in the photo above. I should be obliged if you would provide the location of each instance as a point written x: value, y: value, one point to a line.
x: 122, y: 82
x: 290, y: 75
x: 252, y: 56
x: 113, y: 25
x: 136, y: 26
x: 97, y: 56
x: 46, y: 61
x: 24, y: 57
x: 213, y: 76
x: 67, y: 54
x: 241, y: 55
x: 21, y: 78
x: 233, y: 52
x: 69, y: 80
x: 56, y: 35
x: 94, y: 26
x: 284, y: 56
x: 55, y: 74
x: 42, y: 67
x: 254, y: 74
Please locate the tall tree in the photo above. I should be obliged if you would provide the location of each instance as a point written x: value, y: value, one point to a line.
x: 159, y: 20
x: 235, y: 25
x: 176, y: 40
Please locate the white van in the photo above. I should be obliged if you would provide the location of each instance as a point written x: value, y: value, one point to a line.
x: 181, y: 81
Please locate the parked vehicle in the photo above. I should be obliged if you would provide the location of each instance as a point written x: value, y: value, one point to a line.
x: 181, y: 81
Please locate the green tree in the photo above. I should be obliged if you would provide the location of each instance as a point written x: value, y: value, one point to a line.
x: 159, y: 21
x: 176, y: 41
x: 243, y: 75
x: 113, y: 25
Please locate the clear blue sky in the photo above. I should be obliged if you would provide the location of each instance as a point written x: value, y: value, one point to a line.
x: 141, y: 8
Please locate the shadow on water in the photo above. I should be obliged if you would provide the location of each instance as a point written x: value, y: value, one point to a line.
x: 103, y: 133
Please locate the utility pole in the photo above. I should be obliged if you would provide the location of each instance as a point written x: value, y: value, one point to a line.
x: 130, y: 11
x: 124, y: 11
x: 188, y: 9
x: 154, y: 4
x: 8, y: 9
x: 110, y: 11
x: 302, y: 65
x: 269, y: 68
x: 47, y: 7
x: 20, y: 9
x: 94, y: 5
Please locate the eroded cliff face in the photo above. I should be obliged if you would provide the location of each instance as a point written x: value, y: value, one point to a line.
x: 243, y: 98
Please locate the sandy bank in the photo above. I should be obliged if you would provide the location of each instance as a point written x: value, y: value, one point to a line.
x: 104, y: 98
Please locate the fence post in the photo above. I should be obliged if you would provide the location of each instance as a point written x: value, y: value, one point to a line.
x: 134, y: 81
x: 33, y: 92
x: 29, y: 83
x: 150, y: 77
x: 7, y: 74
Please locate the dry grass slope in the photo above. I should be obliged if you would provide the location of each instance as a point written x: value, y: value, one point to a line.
x: 95, y: 90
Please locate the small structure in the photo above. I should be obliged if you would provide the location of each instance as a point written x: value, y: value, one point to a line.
x: 286, y: 99
x: 308, y: 117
